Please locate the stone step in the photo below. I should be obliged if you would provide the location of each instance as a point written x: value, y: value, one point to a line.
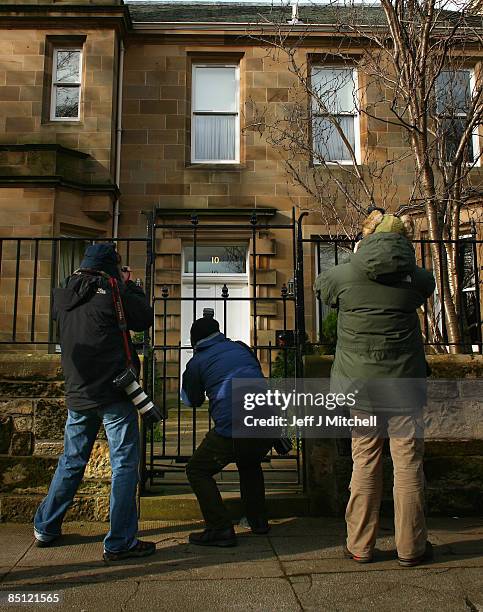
x: 183, y: 505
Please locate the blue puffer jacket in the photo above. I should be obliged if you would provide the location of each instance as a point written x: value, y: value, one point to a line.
x: 217, y: 360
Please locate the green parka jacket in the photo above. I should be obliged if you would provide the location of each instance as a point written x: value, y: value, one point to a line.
x: 377, y: 295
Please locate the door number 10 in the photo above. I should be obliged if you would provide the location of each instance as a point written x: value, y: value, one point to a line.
x: 215, y: 259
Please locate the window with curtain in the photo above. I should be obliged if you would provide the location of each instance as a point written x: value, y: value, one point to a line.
x: 334, y: 102
x: 71, y: 253
x: 453, y: 99
x: 66, y: 85
x: 215, y: 129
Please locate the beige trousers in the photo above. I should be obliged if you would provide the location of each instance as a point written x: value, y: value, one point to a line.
x: 362, y: 515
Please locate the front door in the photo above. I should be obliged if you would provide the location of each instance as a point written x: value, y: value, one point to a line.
x: 237, y: 311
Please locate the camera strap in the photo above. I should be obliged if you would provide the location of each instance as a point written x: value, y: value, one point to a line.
x: 118, y: 308
x: 121, y: 319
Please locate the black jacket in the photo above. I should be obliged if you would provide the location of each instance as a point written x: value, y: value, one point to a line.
x: 92, y: 345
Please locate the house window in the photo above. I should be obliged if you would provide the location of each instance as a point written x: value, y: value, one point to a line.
x: 71, y: 253
x: 66, y: 85
x: 453, y: 100
x: 329, y: 253
x: 467, y: 269
x: 215, y: 121
x: 216, y: 259
x: 334, y: 115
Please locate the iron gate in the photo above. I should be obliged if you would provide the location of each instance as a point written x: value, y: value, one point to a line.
x: 169, y: 445
x: 30, y: 267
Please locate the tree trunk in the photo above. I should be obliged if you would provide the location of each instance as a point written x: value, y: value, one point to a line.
x: 441, y: 265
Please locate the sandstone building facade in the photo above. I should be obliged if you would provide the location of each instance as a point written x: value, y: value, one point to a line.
x: 112, y: 112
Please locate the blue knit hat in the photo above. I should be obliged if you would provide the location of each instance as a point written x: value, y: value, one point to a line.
x: 103, y: 257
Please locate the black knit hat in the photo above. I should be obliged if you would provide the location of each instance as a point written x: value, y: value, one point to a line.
x: 202, y: 328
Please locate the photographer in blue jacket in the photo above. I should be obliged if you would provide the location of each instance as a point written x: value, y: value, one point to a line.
x: 216, y: 362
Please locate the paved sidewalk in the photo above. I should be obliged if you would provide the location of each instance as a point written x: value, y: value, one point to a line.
x: 299, y: 566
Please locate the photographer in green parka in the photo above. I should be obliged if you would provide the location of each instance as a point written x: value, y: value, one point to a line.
x: 377, y: 295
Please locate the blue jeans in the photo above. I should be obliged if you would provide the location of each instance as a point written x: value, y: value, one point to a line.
x: 121, y: 424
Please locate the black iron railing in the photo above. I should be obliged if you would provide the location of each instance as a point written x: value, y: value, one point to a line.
x: 469, y: 256
x: 30, y: 268
x: 285, y: 320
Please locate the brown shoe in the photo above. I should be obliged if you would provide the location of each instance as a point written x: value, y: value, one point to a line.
x: 349, y: 555
x: 142, y: 549
x: 424, y: 558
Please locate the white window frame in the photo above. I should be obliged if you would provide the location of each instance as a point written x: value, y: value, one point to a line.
x: 236, y: 114
x: 473, y: 288
x: 55, y: 84
x: 475, y: 137
x: 356, y: 115
x: 229, y: 277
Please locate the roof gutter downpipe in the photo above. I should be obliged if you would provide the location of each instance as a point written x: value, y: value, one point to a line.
x: 117, y: 177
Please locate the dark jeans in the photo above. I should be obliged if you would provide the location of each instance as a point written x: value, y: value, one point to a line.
x: 211, y: 456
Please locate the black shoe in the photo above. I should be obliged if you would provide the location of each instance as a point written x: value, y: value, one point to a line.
x: 214, y: 537
x: 426, y: 556
x: 42, y: 544
x: 259, y: 526
x: 142, y: 549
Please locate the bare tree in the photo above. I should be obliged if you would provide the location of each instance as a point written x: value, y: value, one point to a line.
x: 405, y: 76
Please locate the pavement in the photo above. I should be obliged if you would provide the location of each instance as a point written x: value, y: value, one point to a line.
x: 298, y: 566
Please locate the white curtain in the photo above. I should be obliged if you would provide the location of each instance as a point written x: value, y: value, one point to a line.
x: 215, y: 137
x: 327, y: 141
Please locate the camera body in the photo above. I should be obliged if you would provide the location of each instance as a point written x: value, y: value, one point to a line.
x: 127, y: 381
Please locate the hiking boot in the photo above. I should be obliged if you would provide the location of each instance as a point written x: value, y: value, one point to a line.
x: 426, y: 556
x: 214, y: 537
x: 142, y: 549
x: 259, y: 526
x: 357, y: 559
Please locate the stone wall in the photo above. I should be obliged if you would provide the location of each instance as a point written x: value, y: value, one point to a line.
x: 453, y: 466
x: 32, y: 419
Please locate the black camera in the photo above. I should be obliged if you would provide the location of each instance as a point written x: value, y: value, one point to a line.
x: 127, y: 381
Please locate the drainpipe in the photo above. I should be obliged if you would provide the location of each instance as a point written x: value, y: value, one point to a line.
x: 117, y: 177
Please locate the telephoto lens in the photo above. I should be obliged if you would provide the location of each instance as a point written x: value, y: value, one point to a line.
x: 147, y: 409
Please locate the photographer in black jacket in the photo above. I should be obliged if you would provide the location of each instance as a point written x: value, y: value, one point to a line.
x: 93, y: 354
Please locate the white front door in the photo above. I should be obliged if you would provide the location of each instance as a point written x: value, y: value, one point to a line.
x: 237, y: 312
